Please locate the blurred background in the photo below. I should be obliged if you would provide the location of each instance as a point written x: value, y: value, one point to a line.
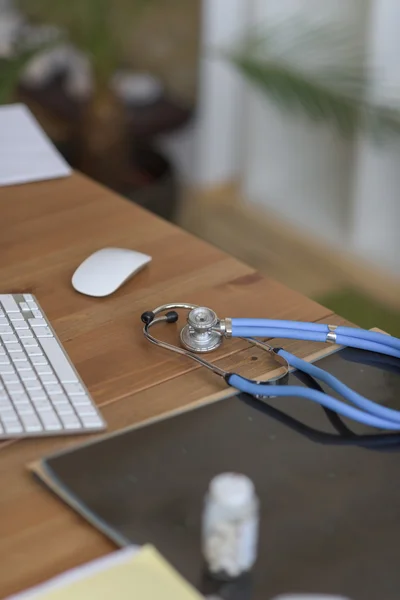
x: 269, y: 127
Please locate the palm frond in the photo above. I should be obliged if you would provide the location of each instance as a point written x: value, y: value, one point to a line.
x: 294, y: 92
x: 318, y: 72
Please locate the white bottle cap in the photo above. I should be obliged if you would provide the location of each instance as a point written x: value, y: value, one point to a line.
x: 232, y: 490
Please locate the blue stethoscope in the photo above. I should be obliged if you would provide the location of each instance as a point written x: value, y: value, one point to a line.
x: 204, y: 332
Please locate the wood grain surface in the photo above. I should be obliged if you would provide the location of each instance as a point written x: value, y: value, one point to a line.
x: 46, y: 230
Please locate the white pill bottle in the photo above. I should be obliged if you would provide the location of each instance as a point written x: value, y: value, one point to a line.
x: 230, y: 526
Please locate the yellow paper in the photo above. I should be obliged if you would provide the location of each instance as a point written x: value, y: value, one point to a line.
x: 144, y: 576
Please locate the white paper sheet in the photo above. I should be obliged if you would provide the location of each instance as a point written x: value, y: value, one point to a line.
x: 26, y: 153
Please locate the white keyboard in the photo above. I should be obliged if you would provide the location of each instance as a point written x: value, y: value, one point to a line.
x: 40, y: 391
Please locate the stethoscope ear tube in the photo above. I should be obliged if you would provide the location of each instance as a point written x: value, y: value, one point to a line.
x: 353, y: 338
x: 283, y: 328
x: 268, y: 391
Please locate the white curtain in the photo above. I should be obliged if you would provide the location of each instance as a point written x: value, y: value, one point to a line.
x: 376, y: 196
x: 345, y: 192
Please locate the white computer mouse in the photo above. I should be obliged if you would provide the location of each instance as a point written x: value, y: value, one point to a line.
x: 104, y: 271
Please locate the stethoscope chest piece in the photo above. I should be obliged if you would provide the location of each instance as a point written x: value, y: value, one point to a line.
x: 199, y: 335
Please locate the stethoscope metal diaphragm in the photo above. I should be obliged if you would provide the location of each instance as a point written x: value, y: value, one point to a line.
x: 200, y: 333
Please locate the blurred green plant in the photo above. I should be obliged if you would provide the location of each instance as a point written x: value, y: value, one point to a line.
x: 20, y: 49
x: 101, y: 30
x: 98, y: 28
x: 10, y: 72
x: 318, y: 71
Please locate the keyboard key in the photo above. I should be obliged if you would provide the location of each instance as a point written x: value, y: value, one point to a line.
x: 5, y: 404
x: 44, y: 332
x: 39, y: 360
x: 21, y: 400
x: 24, y: 334
x: 19, y: 357
x: 14, y: 399
x: 37, y: 314
x: 9, y: 415
x: 24, y: 307
x: 14, y: 348
x: 92, y: 422
x: 26, y: 410
x: 9, y: 338
x: 33, y: 386
x: 13, y: 388
x: 27, y: 374
x: 31, y: 423
x: 32, y: 304
x: 48, y: 378
x: 74, y: 389
x: 9, y: 304
x: 42, y: 406
x: 86, y: 411
x: 5, y: 330
x: 38, y: 394
x: 51, y: 424
x: 58, y: 360
x: 37, y: 323
x: 10, y: 378
x: 43, y: 369
x: 61, y: 400
x: 30, y: 343
x: 33, y: 351
x: 49, y: 414
x: 29, y: 298
x: 81, y: 401
x: 53, y: 388
x: 16, y: 395
x: 20, y: 325
x: 16, y: 317
x: 15, y: 427
x: 71, y: 422
x: 6, y: 369
x: 65, y: 410
x: 4, y: 360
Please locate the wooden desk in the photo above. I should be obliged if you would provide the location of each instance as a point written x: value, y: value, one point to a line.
x: 46, y: 230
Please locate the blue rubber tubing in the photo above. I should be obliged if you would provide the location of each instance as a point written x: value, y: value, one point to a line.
x: 339, y: 407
